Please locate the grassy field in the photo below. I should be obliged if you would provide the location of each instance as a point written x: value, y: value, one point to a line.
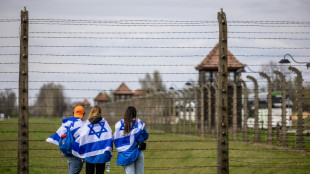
x: 166, y: 153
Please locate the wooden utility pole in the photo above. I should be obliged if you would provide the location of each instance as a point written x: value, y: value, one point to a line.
x: 23, y: 146
x: 222, y: 88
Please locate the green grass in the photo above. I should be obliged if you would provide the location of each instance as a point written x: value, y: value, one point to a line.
x: 182, y: 154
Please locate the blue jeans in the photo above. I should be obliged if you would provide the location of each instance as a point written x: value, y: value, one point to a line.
x: 75, y: 164
x: 136, y: 167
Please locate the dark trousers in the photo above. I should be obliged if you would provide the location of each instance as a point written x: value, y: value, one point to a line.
x: 90, y: 168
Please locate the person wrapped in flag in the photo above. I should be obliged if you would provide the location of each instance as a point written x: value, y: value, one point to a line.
x: 129, y: 134
x: 94, y: 144
x: 74, y: 123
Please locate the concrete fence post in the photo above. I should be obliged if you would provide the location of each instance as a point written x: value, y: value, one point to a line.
x: 269, y: 99
x: 202, y: 111
x: 245, y: 110
x: 184, y: 111
x: 209, y: 121
x: 283, y: 115
x: 190, y: 121
x: 234, y: 116
x: 299, y: 100
x: 214, y: 86
x: 256, y: 125
x: 197, y: 105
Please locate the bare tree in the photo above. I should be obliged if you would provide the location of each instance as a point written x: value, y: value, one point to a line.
x: 50, y: 101
x: 269, y: 69
x: 276, y: 81
x: 152, y: 84
x: 7, y: 102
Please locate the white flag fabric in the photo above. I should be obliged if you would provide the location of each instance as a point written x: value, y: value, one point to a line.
x: 94, y: 139
x: 74, y: 123
x: 123, y: 143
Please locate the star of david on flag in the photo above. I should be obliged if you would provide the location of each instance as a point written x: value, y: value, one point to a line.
x: 123, y: 124
x: 97, y: 133
x: 94, y: 139
x: 73, y: 121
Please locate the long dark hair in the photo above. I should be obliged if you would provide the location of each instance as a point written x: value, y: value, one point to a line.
x: 129, y: 117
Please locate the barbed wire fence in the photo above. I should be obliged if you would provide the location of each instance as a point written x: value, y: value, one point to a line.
x: 92, y: 56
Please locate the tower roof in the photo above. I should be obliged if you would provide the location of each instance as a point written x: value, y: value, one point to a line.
x: 138, y: 92
x: 101, y: 97
x: 123, y: 89
x: 86, y: 102
x: 211, y: 61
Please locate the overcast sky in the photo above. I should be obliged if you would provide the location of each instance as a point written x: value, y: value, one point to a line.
x: 134, y: 10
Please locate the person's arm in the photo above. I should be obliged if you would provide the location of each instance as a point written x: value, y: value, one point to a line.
x: 143, y: 136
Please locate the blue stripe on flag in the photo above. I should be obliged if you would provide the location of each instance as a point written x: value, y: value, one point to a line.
x: 73, y: 131
x: 90, y: 147
x: 122, y: 141
x: 55, y: 137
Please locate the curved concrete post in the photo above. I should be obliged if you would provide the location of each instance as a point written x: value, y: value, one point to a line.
x: 197, y: 104
x: 190, y: 121
x: 214, y: 86
x: 147, y: 110
x: 184, y: 111
x: 170, y: 112
x: 166, y: 113
x: 155, y: 107
x: 269, y: 97
x: 299, y: 100
x: 158, y: 111
x: 180, y: 109
x: 202, y: 111
x: 256, y: 126
x: 283, y: 88
x: 209, y: 121
x: 234, y: 120
x: 162, y: 107
x: 245, y: 110
x: 152, y: 108
x: 173, y: 121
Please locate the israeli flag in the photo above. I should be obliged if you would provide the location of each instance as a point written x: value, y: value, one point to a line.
x: 94, y: 139
x: 73, y: 123
x: 123, y: 143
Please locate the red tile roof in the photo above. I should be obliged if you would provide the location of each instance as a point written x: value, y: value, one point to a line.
x: 212, y: 60
x: 86, y: 103
x: 138, y: 92
x: 123, y: 89
x: 101, y: 97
